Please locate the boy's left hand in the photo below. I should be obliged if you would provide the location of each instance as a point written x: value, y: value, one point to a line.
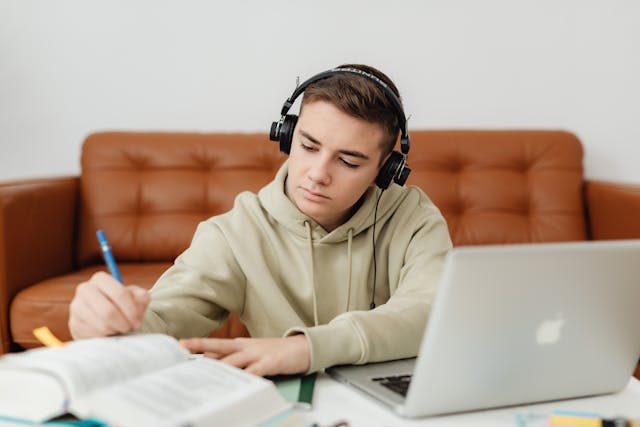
x: 260, y: 356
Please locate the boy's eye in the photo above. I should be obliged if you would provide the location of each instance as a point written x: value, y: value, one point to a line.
x: 349, y: 165
x: 311, y: 148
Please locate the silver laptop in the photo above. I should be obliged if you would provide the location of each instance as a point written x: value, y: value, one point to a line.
x: 518, y: 324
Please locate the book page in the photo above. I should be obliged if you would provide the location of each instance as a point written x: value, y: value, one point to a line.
x: 89, y: 364
x: 178, y: 394
x: 30, y: 395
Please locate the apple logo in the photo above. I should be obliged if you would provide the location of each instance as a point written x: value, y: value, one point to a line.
x: 549, y: 330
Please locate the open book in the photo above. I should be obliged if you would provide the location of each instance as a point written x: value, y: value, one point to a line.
x: 137, y: 380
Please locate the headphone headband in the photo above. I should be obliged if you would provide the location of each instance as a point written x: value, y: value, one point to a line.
x: 391, y: 96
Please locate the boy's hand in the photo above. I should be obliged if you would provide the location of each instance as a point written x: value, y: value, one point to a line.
x: 103, y: 306
x: 260, y: 356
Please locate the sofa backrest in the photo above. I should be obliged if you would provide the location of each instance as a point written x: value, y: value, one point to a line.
x: 502, y: 186
x: 148, y: 191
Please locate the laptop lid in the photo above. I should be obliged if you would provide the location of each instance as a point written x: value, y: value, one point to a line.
x: 519, y: 324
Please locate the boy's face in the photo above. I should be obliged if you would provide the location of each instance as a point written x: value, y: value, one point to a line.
x: 334, y: 158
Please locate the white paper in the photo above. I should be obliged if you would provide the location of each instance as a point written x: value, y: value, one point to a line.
x: 175, y: 394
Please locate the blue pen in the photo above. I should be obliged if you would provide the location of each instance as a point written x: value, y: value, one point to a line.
x: 108, y: 256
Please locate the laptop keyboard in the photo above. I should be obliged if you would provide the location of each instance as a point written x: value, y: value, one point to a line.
x: 398, y: 384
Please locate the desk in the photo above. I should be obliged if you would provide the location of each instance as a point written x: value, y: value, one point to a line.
x: 334, y: 401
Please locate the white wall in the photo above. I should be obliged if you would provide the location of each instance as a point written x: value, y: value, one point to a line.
x: 71, y: 67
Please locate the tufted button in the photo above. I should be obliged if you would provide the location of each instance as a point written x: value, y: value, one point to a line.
x: 455, y: 167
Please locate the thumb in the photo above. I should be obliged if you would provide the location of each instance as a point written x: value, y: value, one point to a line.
x: 142, y: 298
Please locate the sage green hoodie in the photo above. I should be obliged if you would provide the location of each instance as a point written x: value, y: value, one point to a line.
x: 284, y: 274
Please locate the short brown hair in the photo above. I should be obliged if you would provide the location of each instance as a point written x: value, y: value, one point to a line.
x: 360, y: 97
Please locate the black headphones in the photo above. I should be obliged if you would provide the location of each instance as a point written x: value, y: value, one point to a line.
x: 394, y: 169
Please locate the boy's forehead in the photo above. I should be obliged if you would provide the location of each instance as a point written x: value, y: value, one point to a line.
x: 320, y: 119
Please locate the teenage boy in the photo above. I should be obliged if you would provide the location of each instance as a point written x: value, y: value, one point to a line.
x: 325, y: 265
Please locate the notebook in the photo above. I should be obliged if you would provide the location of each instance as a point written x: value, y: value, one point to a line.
x: 516, y: 324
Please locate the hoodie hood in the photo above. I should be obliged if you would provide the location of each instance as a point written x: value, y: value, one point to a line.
x: 275, y: 200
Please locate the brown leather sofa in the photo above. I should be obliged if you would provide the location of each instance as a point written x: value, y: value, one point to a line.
x: 148, y: 191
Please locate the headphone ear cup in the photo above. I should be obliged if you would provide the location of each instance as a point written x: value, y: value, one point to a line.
x: 390, y: 170
x: 385, y: 175
x: 286, y: 132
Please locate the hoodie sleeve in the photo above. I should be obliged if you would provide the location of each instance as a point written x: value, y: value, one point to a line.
x: 392, y: 330
x: 194, y: 296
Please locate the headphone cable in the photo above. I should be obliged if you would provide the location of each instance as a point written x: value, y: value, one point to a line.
x: 373, y: 238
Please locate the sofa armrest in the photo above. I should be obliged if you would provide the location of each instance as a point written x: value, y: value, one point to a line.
x: 37, y: 223
x: 613, y: 210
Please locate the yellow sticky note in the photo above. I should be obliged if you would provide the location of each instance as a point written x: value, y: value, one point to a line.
x: 571, y: 421
x: 46, y: 337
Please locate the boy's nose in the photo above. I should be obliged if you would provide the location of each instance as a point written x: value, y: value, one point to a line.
x: 319, y: 172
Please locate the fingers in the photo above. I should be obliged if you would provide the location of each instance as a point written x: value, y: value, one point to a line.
x: 235, y: 352
x: 87, y: 313
x: 218, y: 346
x: 240, y: 359
x: 81, y: 329
x: 260, y: 356
x: 211, y: 355
x: 123, y: 310
x: 260, y: 368
x: 102, y: 306
x: 142, y: 298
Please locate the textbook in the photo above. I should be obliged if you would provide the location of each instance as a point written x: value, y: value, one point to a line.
x: 135, y: 380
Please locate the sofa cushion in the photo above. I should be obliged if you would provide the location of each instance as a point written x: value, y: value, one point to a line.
x: 47, y: 303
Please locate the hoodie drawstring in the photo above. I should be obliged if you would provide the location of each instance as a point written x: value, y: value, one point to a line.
x: 350, y: 239
x: 313, y: 274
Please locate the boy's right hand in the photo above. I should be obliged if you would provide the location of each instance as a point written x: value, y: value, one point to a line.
x: 103, y: 306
